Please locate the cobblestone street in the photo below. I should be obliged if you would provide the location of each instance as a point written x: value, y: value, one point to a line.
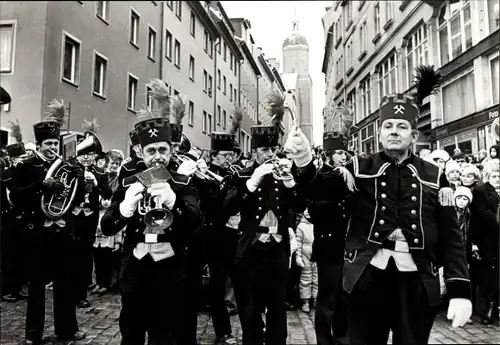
x: 100, y: 321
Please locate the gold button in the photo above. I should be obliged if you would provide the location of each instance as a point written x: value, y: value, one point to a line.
x: 275, y: 182
x: 413, y: 212
x: 383, y: 184
x: 376, y: 234
x: 383, y: 195
x: 260, y: 198
x: 416, y: 241
x: 329, y: 235
x: 260, y: 208
x: 413, y: 226
x: 413, y: 198
x: 381, y: 222
x: 413, y: 185
x: 259, y: 190
x: 276, y: 190
x: 384, y: 173
x: 257, y: 217
x: 383, y: 208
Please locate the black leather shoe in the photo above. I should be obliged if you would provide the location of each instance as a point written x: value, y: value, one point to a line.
x: 31, y: 342
x: 9, y: 298
x: 83, y: 304
x: 22, y: 295
x: 79, y: 335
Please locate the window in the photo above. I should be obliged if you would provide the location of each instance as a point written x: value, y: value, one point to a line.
x: 218, y: 79
x: 191, y: 114
x: 219, y: 48
x: 363, y: 37
x: 387, y: 77
x: 224, y: 119
x: 336, y: 32
x: 191, y: 67
x: 368, y: 139
x: 178, y: 9
x: 365, y: 92
x: 149, y: 99
x: 6, y: 48
x: 235, y: 95
x: 230, y: 92
x: 205, y: 81
x: 100, y: 74
x: 170, y: 4
x: 235, y: 67
x: 168, y: 45
x: 209, y: 123
x: 132, y: 92
x: 493, y: 15
x: 389, y: 10
x: 192, y: 25
x: 455, y: 30
x: 177, y: 54
x: 152, y: 43
x: 231, y: 61
x: 210, y: 46
x: 459, y: 98
x: 134, y: 27
x: 339, y: 68
x: 71, y: 60
x: 204, y: 121
x: 351, y: 103
x: 219, y: 115
x: 348, y: 49
x: 176, y: 92
x: 225, y: 51
x: 225, y: 85
x: 348, y: 14
x: 205, y: 41
x: 417, y: 52
x: 102, y: 9
x: 210, y: 85
x: 495, y: 71
x: 377, y: 18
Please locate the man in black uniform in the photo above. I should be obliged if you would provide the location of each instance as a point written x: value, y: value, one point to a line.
x: 263, y: 248
x: 153, y: 275
x: 51, y: 242
x: 402, y: 228
x: 329, y: 213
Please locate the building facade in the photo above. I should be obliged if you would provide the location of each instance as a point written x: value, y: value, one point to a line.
x: 372, y: 49
x: 98, y: 57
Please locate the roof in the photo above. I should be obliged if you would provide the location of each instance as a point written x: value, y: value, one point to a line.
x: 296, y: 38
x: 248, y: 55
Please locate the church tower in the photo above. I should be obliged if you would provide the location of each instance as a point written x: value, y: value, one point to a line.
x: 296, y: 64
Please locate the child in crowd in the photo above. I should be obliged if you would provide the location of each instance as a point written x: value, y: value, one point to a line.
x: 453, y: 174
x: 308, y: 285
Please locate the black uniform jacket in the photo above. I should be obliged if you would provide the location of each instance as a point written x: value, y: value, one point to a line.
x: 405, y: 196
x: 271, y: 195
x: 26, y: 188
x: 328, y: 209
x: 186, y: 213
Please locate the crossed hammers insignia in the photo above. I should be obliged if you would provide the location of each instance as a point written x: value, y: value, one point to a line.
x: 153, y: 132
x: 399, y: 109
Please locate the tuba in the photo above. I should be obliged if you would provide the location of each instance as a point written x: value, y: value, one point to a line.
x: 58, y: 204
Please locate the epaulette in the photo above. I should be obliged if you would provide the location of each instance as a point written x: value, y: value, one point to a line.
x: 245, y: 173
x: 179, y: 178
x: 446, y: 197
x: 131, y: 165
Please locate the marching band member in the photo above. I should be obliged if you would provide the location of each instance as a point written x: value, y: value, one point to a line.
x: 329, y: 212
x: 86, y: 214
x: 51, y: 242
x: 13, y: 252
x: 263, y: 248
x: 402, y: 228
x: 153, y: 274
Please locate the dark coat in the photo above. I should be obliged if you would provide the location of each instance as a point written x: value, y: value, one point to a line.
x: 405, y: 196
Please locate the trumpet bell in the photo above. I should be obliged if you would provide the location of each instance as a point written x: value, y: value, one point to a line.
x: 158, y: 219
x: 90, y: 144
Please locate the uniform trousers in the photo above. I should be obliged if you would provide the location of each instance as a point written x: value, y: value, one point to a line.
x: 384, y: 300
x: 260, y: 282
x: 85, y: 230
x: 14, y: 253
x: 52, y: 255
x: 329, y: 292
x: 103, y: 259
x: 221, y: 255
x: 153, y: 300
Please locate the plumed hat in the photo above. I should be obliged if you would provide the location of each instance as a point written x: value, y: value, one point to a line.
x: 51, y: 125
x: 16, y: 149
x: 336, y: 135
x: 178, y: 111
x: 268, y: 135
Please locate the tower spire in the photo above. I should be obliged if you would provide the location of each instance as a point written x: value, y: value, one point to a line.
x: 295, y: 22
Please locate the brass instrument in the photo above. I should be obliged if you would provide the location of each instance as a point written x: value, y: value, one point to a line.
x: 58, y: 204
x: 279, y: 172
x: 203, y: 175
x: 156, y: 217
x: 233, y: 168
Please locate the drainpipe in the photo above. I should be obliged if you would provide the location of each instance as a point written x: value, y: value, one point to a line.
x: 162, y: 28
x: 214, y: 81
x: 258, y: 104
x: 239, y: 94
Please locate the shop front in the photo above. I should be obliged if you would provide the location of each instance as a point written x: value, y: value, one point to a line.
x: 470, y: 134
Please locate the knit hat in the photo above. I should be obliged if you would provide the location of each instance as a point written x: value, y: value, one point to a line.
x: 463, y: 191
x: 440, y: 154
x: 471, y: 169
x: 452, y: 166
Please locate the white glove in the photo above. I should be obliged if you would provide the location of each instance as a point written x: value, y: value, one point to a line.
x: 202, y: 165
x: 299, y: 147
x: 460, y: 311
x: 187, y: 168
x: 165, y: 192
x: 89, y: 176
x: 300, y: 262
x: 132, y: 197
x: 258, y: 175
x: 286, y: 168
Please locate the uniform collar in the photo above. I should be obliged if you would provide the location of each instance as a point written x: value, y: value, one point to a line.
x: 389, y: 158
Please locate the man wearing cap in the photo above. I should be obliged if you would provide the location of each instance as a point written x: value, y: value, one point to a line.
x: 51, y: 242
x: 329, y: 212
x: 403, y: 227
x: 153, y: 273
x: 263, y: 248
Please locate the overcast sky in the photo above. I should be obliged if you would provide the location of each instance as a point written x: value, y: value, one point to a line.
x: 272, y: 23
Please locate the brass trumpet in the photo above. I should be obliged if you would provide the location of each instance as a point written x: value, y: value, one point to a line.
x: 279, y: 172
x: 203, y: 175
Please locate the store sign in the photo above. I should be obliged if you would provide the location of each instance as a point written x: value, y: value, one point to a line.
x: 493, y: 114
